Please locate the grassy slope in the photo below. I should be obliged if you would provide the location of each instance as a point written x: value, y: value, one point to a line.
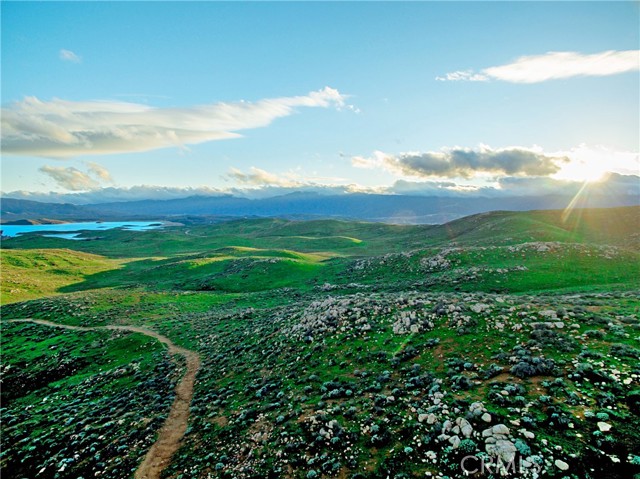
x: 268, y: 253
x: 34, y: 273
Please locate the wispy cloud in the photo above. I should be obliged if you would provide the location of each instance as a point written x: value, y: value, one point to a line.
x: 70, y: 178
x: 63, y: 129
x: 259, y: 177
x: 554, y: 66
x: 465, y: 162
x: 69, y: 56
x: 73, y: 179
x: 99, y: 171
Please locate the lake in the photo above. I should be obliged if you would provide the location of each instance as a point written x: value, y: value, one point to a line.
x: 70, y: 230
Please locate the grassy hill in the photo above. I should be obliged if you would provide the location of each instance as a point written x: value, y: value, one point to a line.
x: 34, y: 273
x: 332, y: 349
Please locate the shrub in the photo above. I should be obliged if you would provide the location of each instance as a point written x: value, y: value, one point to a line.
x: 624, y: 350
x: 522, y: 447
x: 467, y: 446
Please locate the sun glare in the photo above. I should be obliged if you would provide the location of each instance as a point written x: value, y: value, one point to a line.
x: 591, y: 165
x: 588, y: 172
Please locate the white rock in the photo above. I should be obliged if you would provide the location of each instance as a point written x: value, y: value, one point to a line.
x: 466, y: 428
x: 486, y: 417
x: 603, y: 426
x: 563, y: 466
x: 500, y: 429
x: 504, y: 449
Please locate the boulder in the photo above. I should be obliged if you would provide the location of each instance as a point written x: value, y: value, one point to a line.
x: 504, y: 449
x: 466, y: 428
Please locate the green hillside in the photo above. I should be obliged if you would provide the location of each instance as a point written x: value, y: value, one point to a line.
x: 329, y: 348
x: 34, y: 273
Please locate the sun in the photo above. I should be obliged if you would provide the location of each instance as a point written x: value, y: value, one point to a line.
x: 583, y: 171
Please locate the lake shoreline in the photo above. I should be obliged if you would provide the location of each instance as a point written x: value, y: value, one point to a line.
x: 75, y: 228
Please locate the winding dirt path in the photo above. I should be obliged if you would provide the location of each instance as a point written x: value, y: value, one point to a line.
x: 174, y: 427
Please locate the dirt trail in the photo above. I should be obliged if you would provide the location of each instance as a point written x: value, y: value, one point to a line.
x: 174, y: 427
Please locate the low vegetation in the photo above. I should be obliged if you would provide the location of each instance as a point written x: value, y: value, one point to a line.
x: 334, y: 349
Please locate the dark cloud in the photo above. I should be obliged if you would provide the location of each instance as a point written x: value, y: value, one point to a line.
x: 467, y: 163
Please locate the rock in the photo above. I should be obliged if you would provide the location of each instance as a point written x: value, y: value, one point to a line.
x: 527, y: 434
x: 500, y: 429
x: 604, y: 427
x: 431, y: 418
x: 476, y: 408
x: 563, y: 466
x: 423, y: 417
x: 466, y: 428
x: 446, y: 426
x: 479, y: 307
x: 486, y: 417
x: 504, y: 449
x: 455, y: 441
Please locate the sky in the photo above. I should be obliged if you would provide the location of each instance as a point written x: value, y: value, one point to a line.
x: 131, y: 100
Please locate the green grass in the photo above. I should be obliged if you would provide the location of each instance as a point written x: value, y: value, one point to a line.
x: 34, y: 273
x: 235, y: 292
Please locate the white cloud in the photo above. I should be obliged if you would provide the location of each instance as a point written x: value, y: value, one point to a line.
x: 467, y: 75
x: 69, y: 56
x: 554, y: 66
x: 612, y: 185
x: 70, y: 178
x: 259, y: 177
x: 465, y: 162
x: 99, y: 171
x: 63, y: 129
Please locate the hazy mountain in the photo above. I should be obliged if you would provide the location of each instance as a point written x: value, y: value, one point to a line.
x: 386, y: 208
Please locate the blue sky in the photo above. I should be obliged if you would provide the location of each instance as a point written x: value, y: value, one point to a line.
x: 449, y: 96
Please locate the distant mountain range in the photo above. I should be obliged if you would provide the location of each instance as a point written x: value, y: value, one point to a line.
x: 404, y: 209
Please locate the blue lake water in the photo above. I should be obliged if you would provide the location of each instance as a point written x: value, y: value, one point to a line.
x: 70, y: 230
